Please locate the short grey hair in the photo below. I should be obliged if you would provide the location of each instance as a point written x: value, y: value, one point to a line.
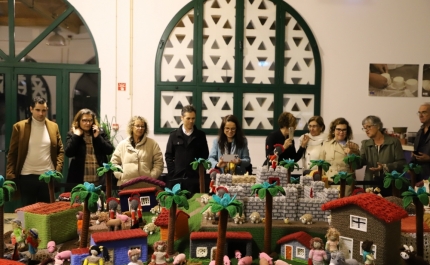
x: 427, y: 104
x: 375, y: 120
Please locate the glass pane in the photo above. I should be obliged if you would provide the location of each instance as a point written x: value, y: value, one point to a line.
x: 302, y: 106
x: 259, y: 42
x: 70, y: 43
x: 299, y: 65
x: 258, y: 111
x: 4, y: 30
x: 2, y: 127
x: 219, y: 24
x: 172, y: 103
x: 215, y: 105
x: 177, y: 59
x: 30, y: 86
x: 84, y: 93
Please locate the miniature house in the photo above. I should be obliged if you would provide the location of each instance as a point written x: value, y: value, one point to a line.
x: 147, y: 197
x: 409, y: 230
x: 181, y: 224
x: 203, y: 244
x: 367, y: 217
x: 79, y: 255
x: 120, y: 242
x: 295, y: 246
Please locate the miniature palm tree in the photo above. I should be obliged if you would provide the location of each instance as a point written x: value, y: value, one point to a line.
x: 89, y: 194
x: 7, y: 188
x: 398, y: 180
x: 171, y: 199
x: 321, y: 164
x: 49, y: 177
x: 413, y: 170
x: 268, y: 191
x: 290, y: 165
x: 420, y: 198
x: 201, y: 164
x: 353, y: 161
x: 295, y: 180
x: 344, y: 178
x: 108, y: 168
x: 225, y: 206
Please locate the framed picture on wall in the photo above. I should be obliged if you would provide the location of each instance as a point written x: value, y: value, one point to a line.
x: 426, y: 81
x: 393, y: 80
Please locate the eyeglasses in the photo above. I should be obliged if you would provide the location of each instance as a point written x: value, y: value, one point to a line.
x: 86, y: 121
x: 313, y: 126
x: 139, y: 126
x: 424, y: 113
x: 230, y: 129
x: 340, y: 130
x: 365, y: 128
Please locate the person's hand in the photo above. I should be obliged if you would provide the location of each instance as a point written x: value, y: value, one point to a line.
x: 96, y: 131
x: 305, y: 140
x: 77, y: 131
x: 236, y: 161
x: 221, y: 163
x: 377, y: 81
x: 287, y: 143
x: 351, y: 148
x: 421, y: 157
x: 378, y: 168
x: 382, y: 68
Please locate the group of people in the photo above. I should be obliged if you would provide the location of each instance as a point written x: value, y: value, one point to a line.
x: 36, y: 147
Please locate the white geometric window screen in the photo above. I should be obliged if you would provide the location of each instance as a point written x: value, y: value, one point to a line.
x: 201, y: 252
x: 259, y: 42
x: 219, y: 26
x: 215, y: 106
x: 177, y: 59
x: 299, y: 64
x: 300, y: 252
x: 172, y: 103
x: 301, y: 106
x: 258, y: 111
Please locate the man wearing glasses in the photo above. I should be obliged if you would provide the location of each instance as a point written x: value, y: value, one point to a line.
x: 422, y: 141
x: 35, y: 147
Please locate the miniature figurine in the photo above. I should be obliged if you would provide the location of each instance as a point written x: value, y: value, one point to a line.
x: 112, y: 207
x: 337, y: 258
x: 332, y: 244
x: 317, y: 253
x: 221, y: 190
x: 134, y: 255
x: 180, y: 259
x: 409, y: 256
x: 33, y: 242
x: 94, y: 258
x: 273, y: 159
x: 17, y: 233
x: 237, y: 254
x: 159, y: 256
x: 79, y: 222
x: 306, y: 219
x: 368, y: 254
x: 255, y: 218
x: 212, y: 187
x: 134, y: 208
x: 150, y: 228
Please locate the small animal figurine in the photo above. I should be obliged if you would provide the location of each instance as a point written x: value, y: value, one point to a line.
x: 337, y: 258
x: 133, y: 256
x: 280, y: 262
x: 409, y: 256
x: 94, y: 258
x: 156, y: 209
x: 150, y: 228
x: 226, y: 260
x: 247, y: 260
x: 264, y: 255
x: 159, y: 256
x: 306, y: 219
x: 317, y: 253
x: 237, y: 254
x: 180, y: 259
x: 286, y: 220
x: 332, y: 243
x: 63, y: 255
x: 368, y: 254
x: 239, y: 219
x: 208, y: 214
x: 205, y: 198
x: 255, y: 218
x: 33, y: 242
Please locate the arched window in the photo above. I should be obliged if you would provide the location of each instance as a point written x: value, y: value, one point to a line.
x: 253, y: 58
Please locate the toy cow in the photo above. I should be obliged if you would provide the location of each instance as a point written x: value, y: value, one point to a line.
x: 255, y: 218
x: 410, y: 258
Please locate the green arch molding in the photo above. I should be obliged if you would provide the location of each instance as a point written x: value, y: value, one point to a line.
x: 197, y: 86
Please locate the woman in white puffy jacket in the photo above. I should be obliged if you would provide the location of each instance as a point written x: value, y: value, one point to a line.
x: 137, y: 155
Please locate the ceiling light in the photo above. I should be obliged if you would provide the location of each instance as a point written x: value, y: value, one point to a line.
x: 56, y: 39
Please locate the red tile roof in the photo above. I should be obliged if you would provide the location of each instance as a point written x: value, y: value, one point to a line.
x: 9, y: 262
x: 118, y: 235
x: 79, y: 251
x: 48, y: 208
x: 303, y: 237
x: 214, y: 235
x: 163, y: 217
x: 141, y: 190
x: 375, y: 205
x: 409, y: 225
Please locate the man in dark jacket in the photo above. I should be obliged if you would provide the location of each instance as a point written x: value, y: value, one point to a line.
x: 184, y: 145
x: 422, y: 142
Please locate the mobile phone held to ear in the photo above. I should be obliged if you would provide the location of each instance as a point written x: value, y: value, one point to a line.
x: 291, y: 133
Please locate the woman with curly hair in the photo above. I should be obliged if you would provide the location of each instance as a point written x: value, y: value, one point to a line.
x: 137, y: 155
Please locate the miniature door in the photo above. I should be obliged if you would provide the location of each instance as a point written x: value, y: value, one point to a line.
x: 288, y: 252
x: 345, y: 246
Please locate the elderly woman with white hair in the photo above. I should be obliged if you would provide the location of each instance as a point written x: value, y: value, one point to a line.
x: 137, y: 155
x: 380, y: 153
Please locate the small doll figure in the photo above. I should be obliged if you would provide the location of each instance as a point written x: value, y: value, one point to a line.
x: 94, y: 258
x: 368, y: 254
x: 317, y: 253
x: 52, y: 248
x: 112, y: 207
x: 33, y: 242
x: 221, y: 190
x: 212, y: 187
x: 273, y: 159
x: 17, y: 233
x: 79, y: 222
x: 134, y: 255
x: 159, y: 256
x: 332, y: 244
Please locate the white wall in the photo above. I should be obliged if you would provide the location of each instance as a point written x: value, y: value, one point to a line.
x: 350, y: 33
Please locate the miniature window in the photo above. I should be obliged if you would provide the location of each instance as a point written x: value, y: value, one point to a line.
x: 135, y: 247
x: 145, y: 201
x: 358, y: 223
x: 373, y: 249
x: 300, y: 253
x: 201, y: 252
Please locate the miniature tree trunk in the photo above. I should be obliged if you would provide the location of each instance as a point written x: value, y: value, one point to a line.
x: 394, y: 190
x: 268, y: 223
x: 342, y: 187
x: 1, y: 231
x: 109, y: 184
x: 353, y: 177
x: 222, y: 230
x: 320, y: 171
x: 202, y: 178
x: 413, y: 178
x: 171, y: 231
x: 419, y: 208
x: 51, y: 190
x: 85, y: 225
x: 288, y: 176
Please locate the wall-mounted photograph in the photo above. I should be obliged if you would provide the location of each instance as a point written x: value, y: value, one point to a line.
x: 426, y: 81
x: 393, y: 80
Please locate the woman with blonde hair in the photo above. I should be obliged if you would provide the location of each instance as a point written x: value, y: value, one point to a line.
x: 137, y: 155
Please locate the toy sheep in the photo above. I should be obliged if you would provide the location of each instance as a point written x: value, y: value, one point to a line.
x: 156, y: 209
x: 306, y: 218
x: 255, y: 218
x: 409, y: 256
x: 337, y: 258
x: 150, y: 228
x: 239, y: 219
x: 208, y: 214
x: 205, y: 198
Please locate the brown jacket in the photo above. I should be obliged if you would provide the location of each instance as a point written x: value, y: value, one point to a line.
x: 18, y: 147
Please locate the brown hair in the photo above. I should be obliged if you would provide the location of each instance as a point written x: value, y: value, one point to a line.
x: 316, y: 239
x: 319, y: 120
x: 131, y: 125
x: 335, y: 123
x: 188, y: 108
x: 239, y: 137
x: 286, y: 120
x: 79, y: 115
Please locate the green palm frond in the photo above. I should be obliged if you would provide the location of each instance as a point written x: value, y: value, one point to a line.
x: 195, y: 164
x: 87, y: 191
x: 174, y: 195
x: 289, y: 164
x: 342, y: 175
x: 353, y: 160
x: 7, y: 188
x: 50, y: 174
x: 397, y: 178
x: 261, y: 189
x: 228, y: 203
x: 106, y: 168
x: 410, y: 194
x: 416, y: 168
x: 320, y: 163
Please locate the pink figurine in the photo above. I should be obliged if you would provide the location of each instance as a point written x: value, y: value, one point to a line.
x: 317, y: 253
x: 159, y: 256
x: 64, y: 255
x: 281, y: 262
x: 247, y: 260
x: 237, y: 254
x: 266, y: 257
x: 134, y: 255
x: 226, y: 260
x: 180, y: 259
